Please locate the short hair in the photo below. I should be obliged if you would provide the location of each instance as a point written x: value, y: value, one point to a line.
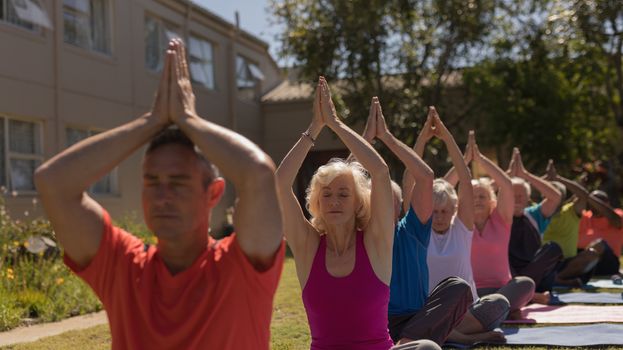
x: 519, y: 181
x: 175, y: 136
x: 444, y: 193
x: 485, y: 183
x: 327, y: 173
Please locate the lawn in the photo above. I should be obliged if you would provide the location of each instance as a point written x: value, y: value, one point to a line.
x: 289, y: 326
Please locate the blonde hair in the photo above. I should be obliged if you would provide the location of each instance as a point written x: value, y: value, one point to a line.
x: 487, y: 184
x: 443, y: 193
x: 327, y: 173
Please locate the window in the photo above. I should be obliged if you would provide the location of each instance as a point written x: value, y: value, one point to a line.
x: 108, y: 183
x: 20, y: 154
x: 87, y: 24
x: 157, y: 36
x: 248, y: 75
x: 201, y: 61
x: 27, y: 14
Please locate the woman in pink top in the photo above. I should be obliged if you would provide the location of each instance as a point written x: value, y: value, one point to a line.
x: 343, y: 255
x: 493, y: 217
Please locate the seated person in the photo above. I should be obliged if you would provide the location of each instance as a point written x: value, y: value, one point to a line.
x: 188, y: 291
x: 413, y: 313
x: 449, y: 250
x: 527, y: 255
x: 577, y: 268
x: 343, y: 255
x: 493, y: 217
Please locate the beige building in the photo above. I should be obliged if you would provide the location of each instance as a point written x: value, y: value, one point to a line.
x: 73, y: 68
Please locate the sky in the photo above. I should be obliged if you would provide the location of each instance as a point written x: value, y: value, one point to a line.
x: 254, y: 17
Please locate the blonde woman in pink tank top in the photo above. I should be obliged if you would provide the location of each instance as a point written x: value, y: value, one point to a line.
x: 493, y: 217
x: 343, y: 255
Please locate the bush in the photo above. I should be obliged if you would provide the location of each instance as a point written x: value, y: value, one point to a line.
x: 36, y: 286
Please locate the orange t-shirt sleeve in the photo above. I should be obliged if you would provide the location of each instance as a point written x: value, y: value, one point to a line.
x: 104, y: 271
x: 268, y: 279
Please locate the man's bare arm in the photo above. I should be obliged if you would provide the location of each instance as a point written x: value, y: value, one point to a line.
x: 63, y: 180
x: 257, y: 217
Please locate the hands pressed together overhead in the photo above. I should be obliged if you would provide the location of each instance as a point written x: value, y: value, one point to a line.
x: 174, y: 98
x: 376, y: 126
x: 516, y: 167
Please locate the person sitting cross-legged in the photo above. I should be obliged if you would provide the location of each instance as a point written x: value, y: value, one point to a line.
x: 527, y: 255
x: 493, y: 217
x: 596, y: 257
x: 449, y: 250
x: 343, y: 254
x: 413, y: 313
x: 188, y: 291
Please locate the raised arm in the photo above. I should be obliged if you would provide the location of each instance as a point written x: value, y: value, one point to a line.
x: 63, y: 180
x: 585, y: 197
x: 506, y: 198
x: 298, y: 231
x: 423, y: 174
x: 251, y: 171
x: 466, y: 192
x: 552, y: 196
x: 451, y: 176
x: 381, y: 225
x: 408, y: 181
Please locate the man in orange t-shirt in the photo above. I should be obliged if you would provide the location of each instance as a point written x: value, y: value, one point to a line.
x: 607, y: 225
x: 189, y: 291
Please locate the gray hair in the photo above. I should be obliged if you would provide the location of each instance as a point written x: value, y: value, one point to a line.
x: 519, y: 181
x: 443, y: 193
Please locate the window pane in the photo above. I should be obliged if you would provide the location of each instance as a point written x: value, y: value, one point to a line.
x: 2, y: 155
x: 76, y: 29
x: 157, y: 36
x: 86, y: 24
x: 103, y: 186
x: 194, y: 47
x: 201, y: 66
x: 243, y: 76
x: 12, y: 16
x: 22, y: 171
x: 99, y: 22
x: 23, y: 137
x: 152, y: 44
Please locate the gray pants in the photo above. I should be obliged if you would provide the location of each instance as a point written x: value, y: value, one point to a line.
x: 443, y: 311
x: 490, y: 310
x: 519, y: 291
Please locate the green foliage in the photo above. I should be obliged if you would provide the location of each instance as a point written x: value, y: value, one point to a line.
x: 36, y: 286
x: 544, y: 75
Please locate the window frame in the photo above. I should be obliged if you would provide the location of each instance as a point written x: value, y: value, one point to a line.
x: 10, y: 155
x: 20, y: 23
x: 109, y: 28
x: 163, y: 25
x: 211, y: 61
x: 242, y: 92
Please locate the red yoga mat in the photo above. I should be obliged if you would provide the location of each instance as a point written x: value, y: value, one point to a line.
x: 537, y: 313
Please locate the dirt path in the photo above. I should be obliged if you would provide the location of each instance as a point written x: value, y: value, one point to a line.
x: 36, y: 332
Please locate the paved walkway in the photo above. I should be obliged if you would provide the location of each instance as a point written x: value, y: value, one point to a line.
x: 36, y: 332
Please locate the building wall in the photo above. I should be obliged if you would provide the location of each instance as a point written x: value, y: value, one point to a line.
x: 43, y: 79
